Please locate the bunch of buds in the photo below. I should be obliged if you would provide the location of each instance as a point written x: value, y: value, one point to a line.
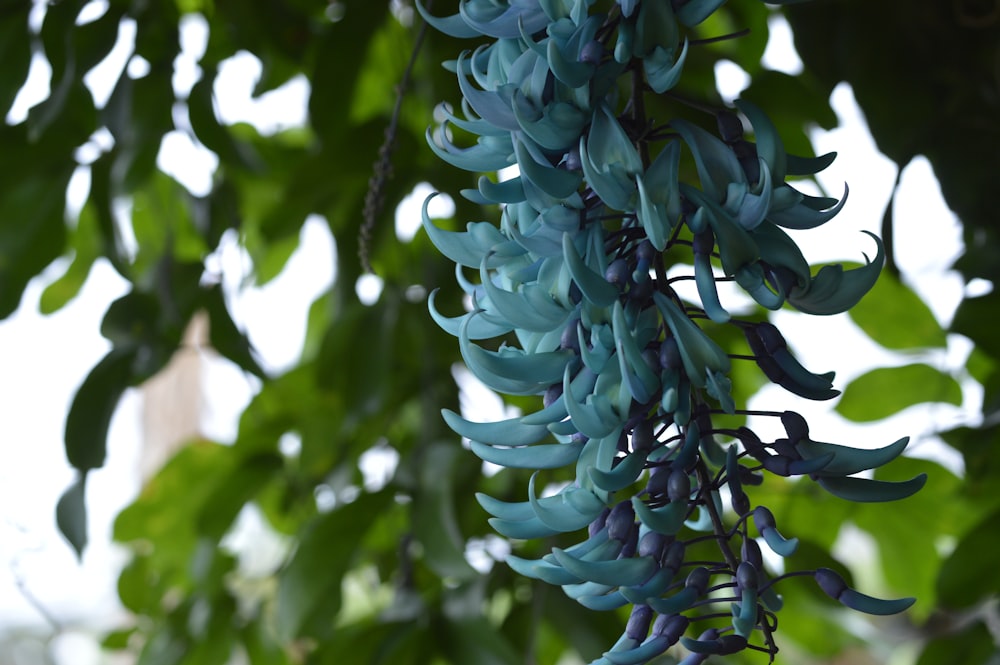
x: 578, y: 280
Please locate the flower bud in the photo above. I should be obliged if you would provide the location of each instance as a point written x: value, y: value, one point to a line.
x: 637, y: 627
x: 746, y: 576
x: 670, y: 626
x: 620, y: 521
x: 678, y: 485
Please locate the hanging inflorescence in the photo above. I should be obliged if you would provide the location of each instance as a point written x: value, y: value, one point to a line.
x: 631, y: 384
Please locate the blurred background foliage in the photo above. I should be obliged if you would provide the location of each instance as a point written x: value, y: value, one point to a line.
x: 380, y: 572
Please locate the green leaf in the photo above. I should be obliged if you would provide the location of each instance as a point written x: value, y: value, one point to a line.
x: 885, y: 391
x: 389, y: 643
x: 234, y: 489
x: 225, y: 337
x: 118, y: 640
x: 974, y: 644
x: 140, y: 586
x: 167, y: 513
x: 971, y: 573
x: 71, y: 515
x: 309, y: 585
x: 893, y: 315
x: 86, y: 242
x: 15, y: 53
x: 93, y: 405
x: 978, y: 447
x: 475, y: 640
x: 975, y: 318
x: 434, y: 522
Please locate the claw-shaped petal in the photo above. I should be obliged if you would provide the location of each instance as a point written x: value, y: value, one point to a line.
x: 865, y: 490
x: 834, y: 586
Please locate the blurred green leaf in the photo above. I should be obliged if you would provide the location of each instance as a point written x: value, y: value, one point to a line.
x: 139, y: 586
x: 978, y: 447
x: 310, y: 582
x: 377, y: 643
x: 15, y: 52
x: 166, y: 514
x: 972, y: 644
x: 885, y: 391
x: 225, y: 337
x: 234, y: 488
x: 86, y: 243
x: 93, y: 405
x: 970, y: 574
x: 434, y: 522
x: 893, y: 315
x: 974, y: 319
x: 71, y: 515
x: 117, y: 640
x: 474, y: 640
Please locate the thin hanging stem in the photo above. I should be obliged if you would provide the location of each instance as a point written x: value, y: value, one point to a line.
x: 382, y: 169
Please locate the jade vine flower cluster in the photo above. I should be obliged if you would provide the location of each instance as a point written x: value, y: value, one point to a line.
x: 574, y: 280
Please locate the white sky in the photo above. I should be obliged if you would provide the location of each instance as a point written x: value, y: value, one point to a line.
x: 43, y: 365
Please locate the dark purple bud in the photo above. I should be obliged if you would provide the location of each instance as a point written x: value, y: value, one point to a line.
x: 750, y: 552
x: 670, y: 626
x: 704, y: 242
x: 710, y: 634
x: 622, y: 443
x: 746, y: 153
x: 673, y: 558
x: 763, y: 518
x: 678, y: 485
x: 651, y: 357
x: 740, y: 502
x: 746, y: 576
x: 730, y: 126
x: 658, y: 480
x: 795, y: 425
x: 631, y: 543
x: 592, y: 51
x: 652, y: 545
x: 637, y: 627
x: 830, y: 582
x: 710, y: 643
x: 642, y: 291
x: 618, y: 273
x: 552, y: 393
x: 572, y: 160
x: 643, y: 437
x: 620, y: 521
x: 570, y: 338
x: 782, y: 278
x: 730, y: 644
x: 598, y: 522
x: 670, y: 354
x: 771, y: 337
x: 645, y: 252
x: 698, y: 579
